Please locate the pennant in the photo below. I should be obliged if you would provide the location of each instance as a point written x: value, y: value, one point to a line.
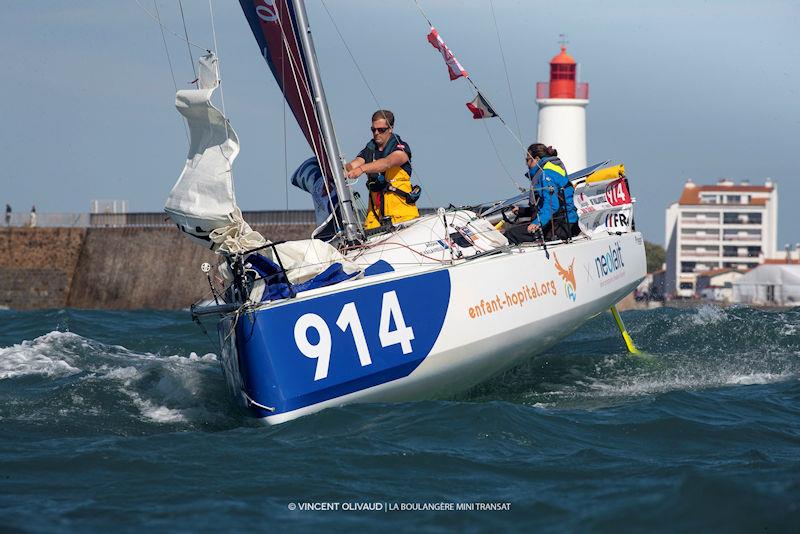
x: 454, y: 68
x: 480, y: 108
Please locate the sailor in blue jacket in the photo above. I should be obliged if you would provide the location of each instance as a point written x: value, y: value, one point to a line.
x: 552, y: 210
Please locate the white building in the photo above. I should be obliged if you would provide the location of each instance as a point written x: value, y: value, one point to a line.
x: 717, y: 284
x: 562, y: 111
x: 769, y: 285
x: 725, y: 225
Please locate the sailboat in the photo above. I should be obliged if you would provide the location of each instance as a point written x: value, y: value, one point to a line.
x: 421, y: 309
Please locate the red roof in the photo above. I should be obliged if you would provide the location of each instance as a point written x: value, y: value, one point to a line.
x: 779, y: 261
x: 563, y: 58
x: 715, y: 272
x: 691, y: 193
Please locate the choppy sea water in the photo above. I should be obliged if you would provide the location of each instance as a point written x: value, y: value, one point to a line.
x: 121, y: 420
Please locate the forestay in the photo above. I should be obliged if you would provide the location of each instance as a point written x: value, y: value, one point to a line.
x: 203, y: 201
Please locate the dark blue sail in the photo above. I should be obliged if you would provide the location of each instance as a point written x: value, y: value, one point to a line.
x: 274, y: 25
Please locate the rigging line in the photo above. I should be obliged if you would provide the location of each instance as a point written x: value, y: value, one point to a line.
x: 219, y: 84
x: 423, y: 13
x: 169, y: 61
x: 189, y: 48
x: 500, y: 160
x: 418, y: 178
x: 164, y: 28
x: 285, y: 140
x: 514, y: 182
x: 477, y: 90
x: 219, y: 64
x: 296, y: 72
x: 510, y: 131
x: 352, y: 57
x: 505, y: 67
x: 474, y: 86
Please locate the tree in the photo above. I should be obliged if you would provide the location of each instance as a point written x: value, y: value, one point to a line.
x: 655, y: 256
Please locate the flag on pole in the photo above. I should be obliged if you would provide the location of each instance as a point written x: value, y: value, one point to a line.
x: 480, y: 108
x: 453, y: 66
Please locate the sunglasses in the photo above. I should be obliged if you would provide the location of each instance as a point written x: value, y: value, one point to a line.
x: 380, y: 130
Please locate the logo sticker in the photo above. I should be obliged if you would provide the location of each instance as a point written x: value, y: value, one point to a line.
x: 610, y: 265
x: 267, y: 12
x: 568, y: 275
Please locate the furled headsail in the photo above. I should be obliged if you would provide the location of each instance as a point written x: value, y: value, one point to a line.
x: 202, y: 202
x: 274, y: 25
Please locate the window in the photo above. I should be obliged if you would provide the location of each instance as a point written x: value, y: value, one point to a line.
x: 686, y: 285
x: 562, y: 72
x: 734, y: 199
x: 770, y: 293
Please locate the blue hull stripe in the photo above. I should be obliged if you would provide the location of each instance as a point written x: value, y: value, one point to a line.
x: 277, y: 373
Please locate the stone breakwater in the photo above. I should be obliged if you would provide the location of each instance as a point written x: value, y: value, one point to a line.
x: 108, y: 268
x: 114, y: 268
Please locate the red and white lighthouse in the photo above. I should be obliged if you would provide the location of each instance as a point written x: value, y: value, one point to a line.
x: 562, y: 111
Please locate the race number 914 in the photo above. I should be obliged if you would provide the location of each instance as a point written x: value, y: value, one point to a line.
x: 321, y: 346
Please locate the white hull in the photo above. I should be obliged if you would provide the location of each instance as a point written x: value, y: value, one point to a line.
x: 496, y: 311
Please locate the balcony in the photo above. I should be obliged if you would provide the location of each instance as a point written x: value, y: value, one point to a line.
x: 701, y: 222
x: 742, y: 223
x: 696, y: 237
x: 741, y: 238
x: 740, y: 255
x: 700, y: 254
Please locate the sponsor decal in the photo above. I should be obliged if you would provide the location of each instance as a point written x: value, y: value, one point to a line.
x: 610, y: 265
x: 523, y: 296
x: 267, y: 11
x: 589, y: 268
x: 617, y: 193
x: 568, y: 275
x: 435, y: 246
x: 617, y: 220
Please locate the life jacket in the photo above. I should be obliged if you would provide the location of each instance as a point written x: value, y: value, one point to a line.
x: 391, y: 195
x: 552, y: 170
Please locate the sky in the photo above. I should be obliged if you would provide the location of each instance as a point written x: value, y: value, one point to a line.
x: 678, y: 90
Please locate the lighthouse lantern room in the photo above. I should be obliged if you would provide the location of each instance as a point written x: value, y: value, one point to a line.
x: 562, y: 111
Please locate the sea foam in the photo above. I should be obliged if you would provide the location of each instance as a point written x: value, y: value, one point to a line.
x: 44, y: 356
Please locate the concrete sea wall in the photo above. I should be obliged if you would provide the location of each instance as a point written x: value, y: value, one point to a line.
x: 115, y: 268
x: 108, y: 268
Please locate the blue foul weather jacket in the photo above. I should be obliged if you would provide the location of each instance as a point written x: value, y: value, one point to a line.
x: 548, y: 179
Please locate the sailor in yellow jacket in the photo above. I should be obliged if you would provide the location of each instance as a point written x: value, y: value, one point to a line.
x: 386, y: 160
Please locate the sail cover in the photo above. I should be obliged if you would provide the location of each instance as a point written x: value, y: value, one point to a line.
x: 274, y: 26
x: 202, y: 202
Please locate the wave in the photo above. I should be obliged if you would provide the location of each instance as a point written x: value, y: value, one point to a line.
x: 62, y: 376
x: 685, y: 350
x: 138, y: 373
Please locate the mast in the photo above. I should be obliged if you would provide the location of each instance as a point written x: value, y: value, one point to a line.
x: 351, y: 225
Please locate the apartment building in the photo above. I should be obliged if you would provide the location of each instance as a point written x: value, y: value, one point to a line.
x: 725, y: 225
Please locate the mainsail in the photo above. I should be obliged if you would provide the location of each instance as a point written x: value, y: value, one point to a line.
x: 274, y: 25
x: 281, y: 30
